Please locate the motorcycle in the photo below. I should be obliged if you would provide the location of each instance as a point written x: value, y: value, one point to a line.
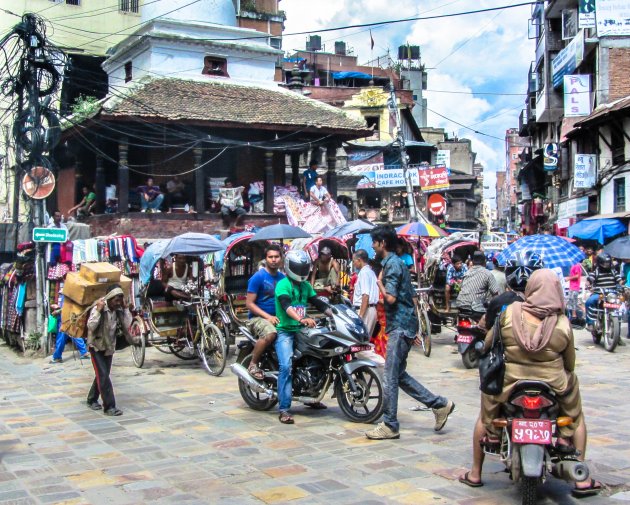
x: 607, y: 316
x: 323, y: 357
x: 469, y: 333
x: 526, y: 444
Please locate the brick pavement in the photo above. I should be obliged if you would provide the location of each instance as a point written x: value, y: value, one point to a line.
x: 187, y: 438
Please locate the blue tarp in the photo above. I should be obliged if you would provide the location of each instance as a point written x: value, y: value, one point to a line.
x: 364, y: 241
x: 352, y: 75
x: 151, y: 256
x: 597, y: 229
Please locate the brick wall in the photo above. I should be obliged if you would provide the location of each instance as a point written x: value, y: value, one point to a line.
x: 154, y: 226
x: 619, y: 65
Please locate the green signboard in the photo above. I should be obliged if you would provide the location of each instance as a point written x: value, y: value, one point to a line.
x: 50, y: 235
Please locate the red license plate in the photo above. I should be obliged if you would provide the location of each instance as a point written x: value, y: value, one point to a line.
x: 527, y: 431
x: 612, y: 306
x: 464, y: 339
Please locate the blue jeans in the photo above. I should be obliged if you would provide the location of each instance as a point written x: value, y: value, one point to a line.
x: 284, y: 350
x: 60, y: 345
x: 153, y: 204
x: 590, y: 305
x: 398, y: 347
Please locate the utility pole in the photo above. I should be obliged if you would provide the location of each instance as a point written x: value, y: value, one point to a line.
x: 399, y: 141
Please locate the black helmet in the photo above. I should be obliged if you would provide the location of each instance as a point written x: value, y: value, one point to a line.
x: 297, y: 265
x: 604, y: 261
x: 520, y: 267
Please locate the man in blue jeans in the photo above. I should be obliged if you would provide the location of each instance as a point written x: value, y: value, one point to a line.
x: 293, y: 294
x: 402, y: 325
x: 60, y: 343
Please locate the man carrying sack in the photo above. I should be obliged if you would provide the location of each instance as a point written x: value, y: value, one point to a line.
x: 109, y: 316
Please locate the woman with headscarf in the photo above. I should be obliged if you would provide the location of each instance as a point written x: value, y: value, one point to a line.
x: 538, y: 342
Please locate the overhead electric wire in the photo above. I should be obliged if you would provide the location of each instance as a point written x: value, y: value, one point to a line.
x: 95, y: 12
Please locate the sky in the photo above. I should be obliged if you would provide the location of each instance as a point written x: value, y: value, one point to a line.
x: 477, y: 64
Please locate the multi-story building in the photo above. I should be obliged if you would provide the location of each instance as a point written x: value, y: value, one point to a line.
x: 503, y: 206
x: 579, y: 70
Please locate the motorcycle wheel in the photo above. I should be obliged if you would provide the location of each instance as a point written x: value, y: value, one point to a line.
x: 212, y: 349
x: 597, y: 338
x: 368, y: 406
x: 528, y: 490
x: 424, y: 331
x: 470, y: 358
x: 138, y: 351
x: 254, y: 399
x: 611, y: 333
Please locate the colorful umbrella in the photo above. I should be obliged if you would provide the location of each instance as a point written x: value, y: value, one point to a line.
x: 555, y: 251
x: 420, y: 229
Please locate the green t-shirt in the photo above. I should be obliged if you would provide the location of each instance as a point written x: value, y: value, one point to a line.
x: 90, y: 197
x: 299, y: 295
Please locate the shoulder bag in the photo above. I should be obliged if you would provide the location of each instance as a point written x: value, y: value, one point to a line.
x: 492, y: 364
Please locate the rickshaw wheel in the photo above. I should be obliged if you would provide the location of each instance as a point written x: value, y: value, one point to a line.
x: 180, y: 349
x: 424, y: 331
x: 138, y: 351
x: 212, y: 349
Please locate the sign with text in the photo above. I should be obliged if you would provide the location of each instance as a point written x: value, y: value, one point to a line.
x: 393, y: 178
x: 50, y: 235
x: 586, y: 14
x: 572, y: 208
x: 434, y: 178
x: 577, y: 95
x: 550, y: 159
x: 613, y: 18
x: 568, y: 59
x: 443, y: 157
x: 365, y: 161
x: 585, y: 171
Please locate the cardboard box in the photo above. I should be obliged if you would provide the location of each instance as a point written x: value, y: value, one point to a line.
x: 84, y: 292
x: 70, y: 322
x: 99, y: 272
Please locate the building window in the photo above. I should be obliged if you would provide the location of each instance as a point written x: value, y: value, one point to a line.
x: 128, y: 71
x: 129, y: 6
x: 617, y: 146
x: 215, y: 66
x: 620, y: 194
x: 73, y: 2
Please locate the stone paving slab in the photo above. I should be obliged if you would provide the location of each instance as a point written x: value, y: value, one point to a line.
x: 188, y: 438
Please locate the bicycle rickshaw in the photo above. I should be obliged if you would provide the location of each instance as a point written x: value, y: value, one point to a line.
x: 233, y: 267
x: 183, y: 328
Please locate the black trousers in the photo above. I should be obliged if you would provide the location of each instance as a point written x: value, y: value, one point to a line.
x: 102, y: 384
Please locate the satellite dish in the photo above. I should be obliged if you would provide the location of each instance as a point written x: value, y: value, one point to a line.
x: 38, y: 183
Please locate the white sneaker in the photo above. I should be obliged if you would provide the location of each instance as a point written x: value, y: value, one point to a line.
x: 186, y: 208
x: 441, y: 415
x: 157, y: 211
x: 382, y: 432
x: 143, y: 210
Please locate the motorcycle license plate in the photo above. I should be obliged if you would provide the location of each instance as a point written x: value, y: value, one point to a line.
x: 464, y: 339
x: 612, y: 306
x: 528, y: 431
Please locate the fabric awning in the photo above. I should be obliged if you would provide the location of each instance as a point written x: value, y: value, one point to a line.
x: 597, y: 229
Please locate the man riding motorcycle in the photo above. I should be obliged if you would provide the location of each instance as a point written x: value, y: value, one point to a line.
x: 478, y: 285
x: 603, y: 276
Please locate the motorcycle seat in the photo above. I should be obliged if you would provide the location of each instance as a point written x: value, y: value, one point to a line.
x: 525, y: 385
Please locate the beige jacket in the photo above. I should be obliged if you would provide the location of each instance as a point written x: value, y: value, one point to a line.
x: 102, y: 327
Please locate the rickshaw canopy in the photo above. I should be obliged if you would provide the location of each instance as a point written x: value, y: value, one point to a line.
x: 229, y: 242
x: 338, y: 248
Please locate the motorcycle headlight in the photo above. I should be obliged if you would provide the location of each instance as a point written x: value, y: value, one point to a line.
x: 611, y: 297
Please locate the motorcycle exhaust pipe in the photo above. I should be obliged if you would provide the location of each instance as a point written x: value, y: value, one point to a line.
x: 573, y: 471
x: 241, y: 372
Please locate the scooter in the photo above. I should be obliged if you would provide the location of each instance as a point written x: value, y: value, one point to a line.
x: 528, y: 425
x: 469, y: 333
x: 607, y: 316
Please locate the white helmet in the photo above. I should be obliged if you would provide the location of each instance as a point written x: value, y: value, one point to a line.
x: 297, y: 265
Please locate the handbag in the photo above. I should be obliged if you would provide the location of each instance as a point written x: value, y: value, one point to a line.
x: 492, y: 364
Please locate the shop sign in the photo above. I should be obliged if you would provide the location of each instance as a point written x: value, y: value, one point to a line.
x: 572, y: 208
x: 550, y: 160
x: 585, y: 171
x: 50, y: 235
x: 586, y: 14
x: 568, y: 59
x: 443, y: 157
x: 577, y: 95
x: 437, y: 205
x: 434, y: 178
x: 365, y: 161
x: 612, y: 18
x: 393, y: 178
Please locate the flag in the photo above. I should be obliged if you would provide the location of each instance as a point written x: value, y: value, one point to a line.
x: 371, y: 41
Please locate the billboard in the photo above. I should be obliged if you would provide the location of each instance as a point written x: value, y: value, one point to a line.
x: 365, y: 161
x: 613, y: 18
x: 586, y: 14
x: 577, y: 95
x: 434, y: 178
x: 567, y: 60
x: 585, y: 171
x: 393, y: 178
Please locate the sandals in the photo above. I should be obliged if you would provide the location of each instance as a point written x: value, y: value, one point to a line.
x: 286, y: 418
x: 256, y: 372
x: 465, y: 480
x: 594, y: 488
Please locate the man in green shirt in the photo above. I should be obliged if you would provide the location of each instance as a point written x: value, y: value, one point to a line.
x: 293, y: 294
x: 85, y: 206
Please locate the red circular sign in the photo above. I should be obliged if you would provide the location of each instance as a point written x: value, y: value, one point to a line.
x: 437, y: 205
x: 38, y: 183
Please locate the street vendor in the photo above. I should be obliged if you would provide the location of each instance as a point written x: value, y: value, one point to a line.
x: 325, y: 274
x: 175, y: 279
x: 109, y: 315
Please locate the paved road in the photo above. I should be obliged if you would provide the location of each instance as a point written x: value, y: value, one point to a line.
x: 187, y: 438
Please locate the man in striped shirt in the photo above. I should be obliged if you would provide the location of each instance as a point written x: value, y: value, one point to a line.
x: 478, y: 285
x: 603, y: 276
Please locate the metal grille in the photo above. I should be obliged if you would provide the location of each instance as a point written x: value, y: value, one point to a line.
x: 130, y: 6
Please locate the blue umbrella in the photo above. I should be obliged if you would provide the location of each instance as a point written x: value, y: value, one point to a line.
x: 555, y: 251
x: 280, y: 232
x: 597, y: 229
x: 193, y: 244
x: 350, y: 228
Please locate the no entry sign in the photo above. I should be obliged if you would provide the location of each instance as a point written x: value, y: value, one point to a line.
x: 437, y: 205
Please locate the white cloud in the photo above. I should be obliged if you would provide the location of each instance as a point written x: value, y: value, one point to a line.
x: 486, y: 52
